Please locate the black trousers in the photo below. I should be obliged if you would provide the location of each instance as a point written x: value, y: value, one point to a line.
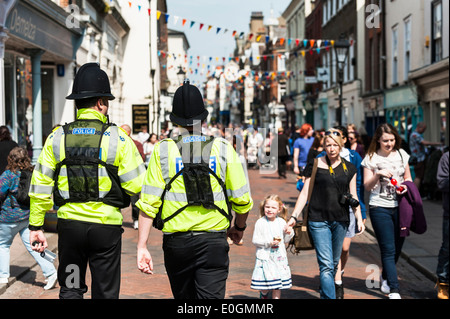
x: 197, y: 264
x: 82, y: 243
x: 134, y: 208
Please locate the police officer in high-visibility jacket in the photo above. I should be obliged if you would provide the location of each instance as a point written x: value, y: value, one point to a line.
x: 88, y: 168
x: 192, y: 183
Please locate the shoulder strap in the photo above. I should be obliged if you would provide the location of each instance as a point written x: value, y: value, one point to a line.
x: 310, y: 189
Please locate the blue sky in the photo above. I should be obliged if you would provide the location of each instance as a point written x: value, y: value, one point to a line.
x: 225, y: 14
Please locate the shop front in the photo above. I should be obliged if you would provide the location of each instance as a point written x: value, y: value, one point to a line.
x: 38, y: 57
x: 433, y: 89
x: 402, y: 109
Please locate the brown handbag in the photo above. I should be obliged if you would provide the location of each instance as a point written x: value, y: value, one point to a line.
x: 302, y: 239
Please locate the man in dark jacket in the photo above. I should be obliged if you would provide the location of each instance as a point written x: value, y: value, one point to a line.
x: 442, y: 269
x: 6, y: 145
x: 283, y: 155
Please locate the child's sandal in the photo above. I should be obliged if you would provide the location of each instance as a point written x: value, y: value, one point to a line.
x: 263, y: 295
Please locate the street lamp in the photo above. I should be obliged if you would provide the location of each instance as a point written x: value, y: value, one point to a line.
x: 341, y: 47
x: 180, y: 74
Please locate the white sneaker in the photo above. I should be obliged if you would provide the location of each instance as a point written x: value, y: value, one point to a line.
x: 51, y: 281
x: 135, y: 224
x: 394, y: 295
x: 384, y: 286
x: 4, y: 280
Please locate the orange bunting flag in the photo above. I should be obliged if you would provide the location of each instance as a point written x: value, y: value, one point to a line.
x: 129, y: 3
x: 281, y: 41
x: 234, y: 33
x: 312, y: 42
x: 237, y: 59
x: 184, y: 21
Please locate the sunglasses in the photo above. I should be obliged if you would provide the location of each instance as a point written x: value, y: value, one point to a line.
x: 335, y: 133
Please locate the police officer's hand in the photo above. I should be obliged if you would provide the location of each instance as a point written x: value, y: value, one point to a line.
x: 38, y: 240
x: 144, y: 261
x: 235, y: 235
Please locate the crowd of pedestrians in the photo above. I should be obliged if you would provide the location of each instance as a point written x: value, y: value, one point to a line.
x: 187, y: 186
x: 346, y: 166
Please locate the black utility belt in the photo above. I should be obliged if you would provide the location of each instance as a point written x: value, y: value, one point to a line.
x: 196, y: 233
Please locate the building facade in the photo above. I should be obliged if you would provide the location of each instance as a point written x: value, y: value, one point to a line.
x: 295, y: 29
x: 431, y: 78
x: 340, y: 18
x: 40, y: 43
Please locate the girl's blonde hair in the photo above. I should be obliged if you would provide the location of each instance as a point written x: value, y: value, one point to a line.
x: 335, y: 135
x: 283, y: 213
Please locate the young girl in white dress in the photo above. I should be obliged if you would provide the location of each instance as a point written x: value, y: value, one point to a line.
x: 271, y: 271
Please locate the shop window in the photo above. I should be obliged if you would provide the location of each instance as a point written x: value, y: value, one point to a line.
x: 407, y: 48
x: 437, y: 32
x: 394, y: 55
x: 24, y: 99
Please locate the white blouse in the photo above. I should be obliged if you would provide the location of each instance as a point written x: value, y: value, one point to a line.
x: 264, y: 233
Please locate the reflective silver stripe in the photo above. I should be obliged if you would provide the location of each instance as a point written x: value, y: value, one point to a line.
x: 63, y: 171
x: 164, y: 160
x: 182, y: 197
x: 64, y: 194
x: 238, y: 192
x: 175, y: 197
x: 113, y: 140
x: 41, y: 189
x: 56, y: 144
x: 151, y: 190
x: 219, y: 197
x: 132, y: 174
x: 223, y: 158
x: 102, y: 172
x: 102, y: 194
x: 47, y: 171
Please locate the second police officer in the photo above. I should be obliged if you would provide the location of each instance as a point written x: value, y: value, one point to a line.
x: 91, y: 168
x: 192, y: 183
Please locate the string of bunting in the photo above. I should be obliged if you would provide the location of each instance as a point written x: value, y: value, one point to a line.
x: 256, y: 74
x: 307, y: 43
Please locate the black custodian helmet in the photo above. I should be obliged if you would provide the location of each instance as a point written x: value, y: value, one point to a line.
x: 90, y: 81
x: 188, y: 105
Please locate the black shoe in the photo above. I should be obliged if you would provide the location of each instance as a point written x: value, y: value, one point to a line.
x: 339, y: 291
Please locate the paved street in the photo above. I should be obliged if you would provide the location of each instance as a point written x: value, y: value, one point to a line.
x: 364, y: 254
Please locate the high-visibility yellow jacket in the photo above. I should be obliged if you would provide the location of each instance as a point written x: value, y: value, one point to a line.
x: 166, y: 161
x: 117, y: 148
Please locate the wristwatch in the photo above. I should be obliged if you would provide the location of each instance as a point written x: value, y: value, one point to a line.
x: 239, y: 228
x: 34, y: 228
